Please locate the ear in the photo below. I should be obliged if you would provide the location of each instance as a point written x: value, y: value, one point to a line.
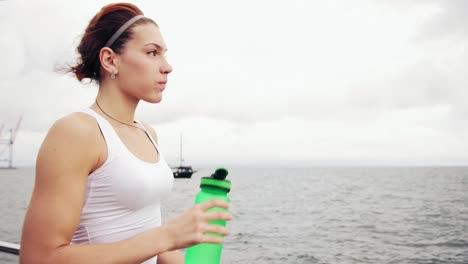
x: 107, y: 57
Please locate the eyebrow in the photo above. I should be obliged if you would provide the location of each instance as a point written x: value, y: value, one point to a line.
x: 159, y: 47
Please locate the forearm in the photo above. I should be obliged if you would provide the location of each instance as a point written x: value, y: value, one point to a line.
x: 171, y: 257
x: 133, y: 250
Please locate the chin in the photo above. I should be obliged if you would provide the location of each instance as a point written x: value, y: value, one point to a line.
x: 153, y: 100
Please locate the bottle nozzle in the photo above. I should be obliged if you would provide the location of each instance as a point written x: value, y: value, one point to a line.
x: 220, y: 174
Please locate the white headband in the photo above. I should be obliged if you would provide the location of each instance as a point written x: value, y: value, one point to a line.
x: 121, y: 30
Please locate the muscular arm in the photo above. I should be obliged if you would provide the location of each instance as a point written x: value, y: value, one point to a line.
x: 171, y: 257
x: 68, y: 154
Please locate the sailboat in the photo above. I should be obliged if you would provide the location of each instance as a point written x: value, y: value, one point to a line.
x: 182, y: 171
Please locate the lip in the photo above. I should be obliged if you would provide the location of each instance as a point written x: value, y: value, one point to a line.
x: 162, y: 85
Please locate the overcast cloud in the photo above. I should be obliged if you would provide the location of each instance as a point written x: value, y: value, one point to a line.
x: 265, y: 82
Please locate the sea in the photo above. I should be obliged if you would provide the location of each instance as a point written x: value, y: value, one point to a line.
x: 313, y: 215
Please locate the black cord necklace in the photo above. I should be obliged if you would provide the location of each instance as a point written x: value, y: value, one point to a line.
x: 117, y: 119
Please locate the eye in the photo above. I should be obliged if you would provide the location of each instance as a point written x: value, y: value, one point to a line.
x: 152, y: 52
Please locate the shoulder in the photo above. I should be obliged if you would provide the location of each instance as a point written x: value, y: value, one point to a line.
x: 76, y: 136
x: 79, y: 126
x: 151, y: 131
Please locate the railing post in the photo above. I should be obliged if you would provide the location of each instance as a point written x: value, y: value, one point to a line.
x: 9, y: 248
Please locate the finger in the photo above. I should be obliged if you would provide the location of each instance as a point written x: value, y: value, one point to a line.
x: 213, y: 203
x: 218, y: 215
x: 216, y: 229
x: 212, y: 239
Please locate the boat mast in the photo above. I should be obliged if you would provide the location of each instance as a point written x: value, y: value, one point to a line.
x: 181, y: 158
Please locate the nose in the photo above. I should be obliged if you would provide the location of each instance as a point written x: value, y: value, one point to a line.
x: 166, y: 68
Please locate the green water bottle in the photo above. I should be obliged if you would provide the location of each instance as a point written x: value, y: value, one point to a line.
x: 214, y: 187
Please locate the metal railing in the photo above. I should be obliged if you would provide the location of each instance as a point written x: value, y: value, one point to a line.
x: 9, y: 248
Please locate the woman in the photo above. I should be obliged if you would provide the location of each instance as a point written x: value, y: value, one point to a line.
x: 99, y: 175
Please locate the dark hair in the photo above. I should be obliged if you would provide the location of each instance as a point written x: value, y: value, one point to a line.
x: 100, y: 29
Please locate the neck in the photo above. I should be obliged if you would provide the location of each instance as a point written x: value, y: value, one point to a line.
x: 116, y: 104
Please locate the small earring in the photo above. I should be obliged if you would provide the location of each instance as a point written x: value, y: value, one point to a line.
x: 112, y: 76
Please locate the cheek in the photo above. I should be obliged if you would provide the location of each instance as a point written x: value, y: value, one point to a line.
x: 135, y: 65
x: 139, y: 69
x: 134, y: 62
x: 145, y: 69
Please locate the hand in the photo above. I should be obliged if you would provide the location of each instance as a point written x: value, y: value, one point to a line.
x: 192, y: 226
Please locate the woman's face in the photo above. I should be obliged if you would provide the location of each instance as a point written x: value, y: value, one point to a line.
x: 142, y: 65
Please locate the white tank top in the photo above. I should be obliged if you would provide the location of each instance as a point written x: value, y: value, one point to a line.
x: 123, y: 196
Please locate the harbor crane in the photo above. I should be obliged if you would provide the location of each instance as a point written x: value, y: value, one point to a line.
x: 7, y: 141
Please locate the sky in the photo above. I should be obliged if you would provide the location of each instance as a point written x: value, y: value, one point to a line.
x: 264, y: 83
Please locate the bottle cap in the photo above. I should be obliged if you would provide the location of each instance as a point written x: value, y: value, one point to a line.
x: 217, y: 179
x: 220, y: 174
